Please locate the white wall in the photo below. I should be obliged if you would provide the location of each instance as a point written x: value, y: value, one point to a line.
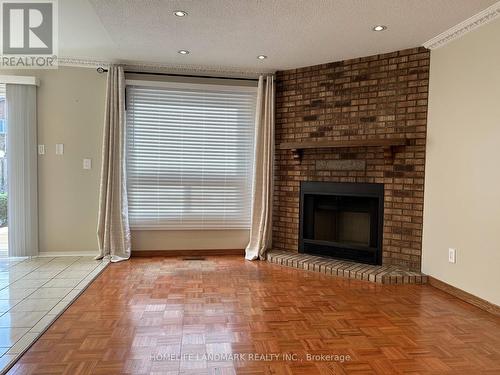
x: 462, y: 180
x: 70, y: 106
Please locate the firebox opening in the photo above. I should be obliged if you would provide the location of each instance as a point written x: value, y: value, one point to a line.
x: 342, y: 220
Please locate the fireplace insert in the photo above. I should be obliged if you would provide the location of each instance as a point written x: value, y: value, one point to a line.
x: 342, y: 220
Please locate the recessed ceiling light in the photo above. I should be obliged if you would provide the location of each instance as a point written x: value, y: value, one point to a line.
x: 180, y: 13
x: 262, y: 57
x: 183, y: 52
x: 379, y: 28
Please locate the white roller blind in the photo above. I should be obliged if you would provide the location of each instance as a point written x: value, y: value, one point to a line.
x: 189, y: 156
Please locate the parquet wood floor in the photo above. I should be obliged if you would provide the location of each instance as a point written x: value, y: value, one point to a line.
x: 164, y: 315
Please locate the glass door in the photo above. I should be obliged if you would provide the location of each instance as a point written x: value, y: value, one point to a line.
x: 4, y: 231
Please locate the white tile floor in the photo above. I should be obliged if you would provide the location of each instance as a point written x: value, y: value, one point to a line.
x: 33, y: 293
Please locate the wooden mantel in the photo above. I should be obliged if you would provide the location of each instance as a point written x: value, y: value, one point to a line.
x: 298, y: 147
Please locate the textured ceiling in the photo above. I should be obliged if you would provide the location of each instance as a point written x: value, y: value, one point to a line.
x: 231, y: 33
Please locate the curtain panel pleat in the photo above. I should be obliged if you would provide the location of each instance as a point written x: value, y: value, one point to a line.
x: 113, y: 231
x: 22, y: 170
x: 260, y: 231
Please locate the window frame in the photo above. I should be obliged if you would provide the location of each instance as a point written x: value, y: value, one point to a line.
x: 234, y: 86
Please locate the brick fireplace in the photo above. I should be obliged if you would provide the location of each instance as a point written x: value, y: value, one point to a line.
x: 365, y: 99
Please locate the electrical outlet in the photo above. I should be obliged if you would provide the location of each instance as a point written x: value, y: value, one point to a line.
x: 41, y: 149
x: 452, y: 255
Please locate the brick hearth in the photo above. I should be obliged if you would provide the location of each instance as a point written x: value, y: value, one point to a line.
x: 352, y: 270
x: 382, y: 96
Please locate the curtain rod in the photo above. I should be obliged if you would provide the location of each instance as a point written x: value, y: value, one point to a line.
x: 102, y: 70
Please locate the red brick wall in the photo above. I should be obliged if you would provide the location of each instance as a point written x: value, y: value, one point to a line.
x: 371, y: 97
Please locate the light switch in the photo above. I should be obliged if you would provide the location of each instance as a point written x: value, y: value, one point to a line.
x: 87, y: 163
x: 452, y: 255
x: 59, y: 149
x: 41, y: 149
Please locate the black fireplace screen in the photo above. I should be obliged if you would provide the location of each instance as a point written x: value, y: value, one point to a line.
x: 342, y: 220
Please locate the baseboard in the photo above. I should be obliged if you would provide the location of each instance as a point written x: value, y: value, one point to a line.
x: 183, y: 253
x: 69, y: 253
x: 149, y: 253
x: 464, y: 296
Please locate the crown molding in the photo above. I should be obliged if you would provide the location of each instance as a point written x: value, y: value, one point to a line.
x: 481, y: 18
x: 164, y: 68
x: 82, y: 62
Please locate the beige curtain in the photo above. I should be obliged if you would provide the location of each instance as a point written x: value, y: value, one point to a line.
x: 113, y: 229
x: 260, y: 232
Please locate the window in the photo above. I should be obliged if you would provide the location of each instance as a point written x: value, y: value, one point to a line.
x: 3, y: 128
x: 190, y: 156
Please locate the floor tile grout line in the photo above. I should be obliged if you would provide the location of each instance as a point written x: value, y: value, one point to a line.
x: 38, y: 335
x: 23, y: 275
x: 33, y: 270
x: 40, y: 286
x: 60, y: 300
